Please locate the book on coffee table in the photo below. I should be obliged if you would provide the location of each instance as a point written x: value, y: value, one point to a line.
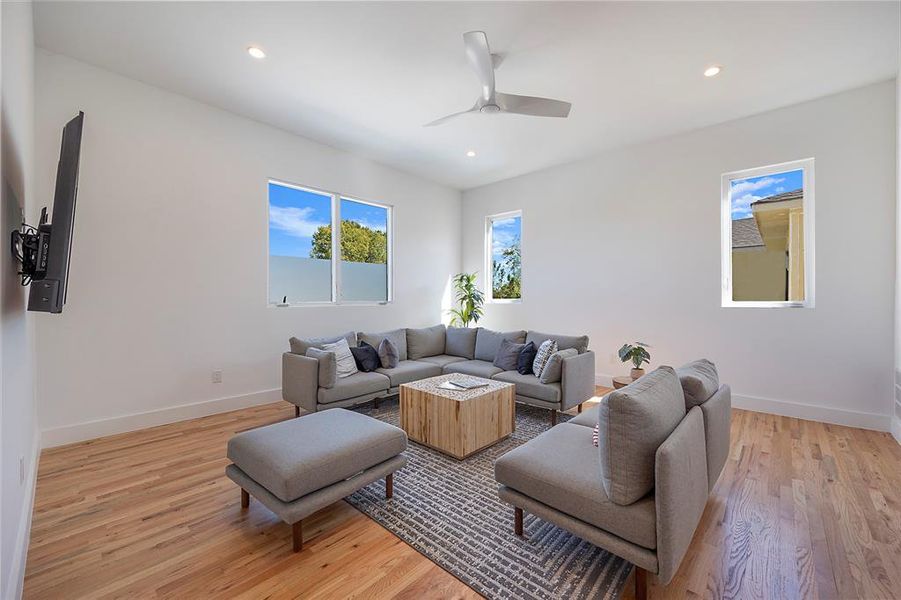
x: 462, y: 384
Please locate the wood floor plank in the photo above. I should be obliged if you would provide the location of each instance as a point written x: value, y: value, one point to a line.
x: 802, y: 510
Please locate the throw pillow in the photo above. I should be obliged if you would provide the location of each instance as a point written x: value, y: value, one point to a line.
x: 388, y: 354
x: 507, y: 355
x: 553, y: 370
x: 300, y: 345
x: 366, y: 357
x: 328, y: 366
x: 594, y: 436
x: 543, y: 355
x: 526, y: 358
x: 346, y: 365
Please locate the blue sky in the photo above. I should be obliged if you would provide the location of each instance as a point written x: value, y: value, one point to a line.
x: 746, y: 191
x: 295, y: 214
x: 503, y: 232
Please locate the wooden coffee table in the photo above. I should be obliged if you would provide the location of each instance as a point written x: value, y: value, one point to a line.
x: 457, y: 423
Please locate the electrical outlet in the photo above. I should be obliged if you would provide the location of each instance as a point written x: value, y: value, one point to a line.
x: 217, y: 376
x: 21, y: 470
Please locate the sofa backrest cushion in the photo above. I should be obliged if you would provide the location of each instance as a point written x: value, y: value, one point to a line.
x: 461, y: 341
x: 301, y: 345
x: 633, y: 422
x: 428, y: 341
x: 397, y: 336
x: 579, y: 342
x: 699, y: 381
x: 488, y: 342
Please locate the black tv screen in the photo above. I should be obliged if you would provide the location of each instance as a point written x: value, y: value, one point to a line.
x: 48, y: 294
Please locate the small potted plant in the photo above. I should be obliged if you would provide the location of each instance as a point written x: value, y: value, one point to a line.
x: 638, y: 354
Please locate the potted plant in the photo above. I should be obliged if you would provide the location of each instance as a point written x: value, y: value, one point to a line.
x: 469, y: 298
x: 638, y: 354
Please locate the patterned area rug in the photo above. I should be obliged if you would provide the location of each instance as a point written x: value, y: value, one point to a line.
x: 449, y: 511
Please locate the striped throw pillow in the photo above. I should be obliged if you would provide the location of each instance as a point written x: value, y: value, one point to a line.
x: 594, y: 435
x: 547, y: 348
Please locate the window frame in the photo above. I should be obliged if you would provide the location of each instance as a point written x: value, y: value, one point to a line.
x: 489, y: 258
x: 335, y: 213
x: 806, y: 166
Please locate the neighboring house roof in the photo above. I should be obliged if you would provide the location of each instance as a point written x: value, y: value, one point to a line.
x: 745, y: 233
x: 783, y: 197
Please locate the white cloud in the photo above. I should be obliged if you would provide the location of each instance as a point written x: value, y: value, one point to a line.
x: 752, y: 186
x: 373, y: 225
x: 294, y: 221
x: 741, y: 206
x: 508, y: 222
x: 501, y: 240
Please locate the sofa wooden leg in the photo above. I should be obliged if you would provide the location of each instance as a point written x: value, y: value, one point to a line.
x: 297, y: 534
x: 641, y: 584
x: 553, y: 417
x: 517, y: 520
x: 375, y: 403
x: 245, y: 498
x: 296, y: 411
x: 389, y: 485
x: 579, y: 409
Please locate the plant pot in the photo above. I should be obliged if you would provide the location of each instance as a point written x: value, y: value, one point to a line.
x: 636, y: 373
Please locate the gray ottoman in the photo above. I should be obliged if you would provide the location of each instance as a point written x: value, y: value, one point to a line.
x: 299, y: 466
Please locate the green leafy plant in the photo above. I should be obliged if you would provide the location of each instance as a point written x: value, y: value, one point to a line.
x: 469, y: 298
x: 636, y: 352
x: 507, y: 278
x: 358, y: 243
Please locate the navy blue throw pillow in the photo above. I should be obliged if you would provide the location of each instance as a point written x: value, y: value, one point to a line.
x: 366, y: 357
x: 526, y: 358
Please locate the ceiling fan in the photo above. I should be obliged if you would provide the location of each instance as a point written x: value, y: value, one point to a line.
x: 490, y: 101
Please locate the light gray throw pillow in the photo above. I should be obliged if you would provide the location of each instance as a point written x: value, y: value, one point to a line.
x: 344, y: 358
x: 328, y: 366
x: 633, y: 422
x: 301, y: 345
x: 545, y: 350
x: 461, y: 341
x: 388, y: 355
x: 429, y: 341
x: 507, y: 355
x: 699, y: 381
x: 553, y: 370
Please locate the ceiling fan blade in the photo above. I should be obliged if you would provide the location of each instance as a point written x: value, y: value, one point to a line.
x: 475, y: 108
x: 479, y: 56
x: 532, y: 105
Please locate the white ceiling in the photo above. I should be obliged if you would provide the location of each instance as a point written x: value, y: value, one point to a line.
x: 364, y: 77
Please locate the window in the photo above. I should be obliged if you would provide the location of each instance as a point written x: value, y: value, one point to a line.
x: 504, y: 257
x: 302, y: 243
x: 767, y: 236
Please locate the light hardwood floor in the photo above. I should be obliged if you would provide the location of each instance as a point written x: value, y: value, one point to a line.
x: 802, y: 510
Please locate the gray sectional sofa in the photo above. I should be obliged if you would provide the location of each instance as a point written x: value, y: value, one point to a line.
x: 663, y: 441
x: 432, y: 351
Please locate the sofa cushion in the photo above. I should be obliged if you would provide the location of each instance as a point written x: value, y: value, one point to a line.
x: 294, y: 458
x: 529, y: 385
x: 579, y: 342
x: 559, y: 468
x: 301, y: 345
x: 488, y: 341
x: 429, y: 341
x: 461, y: 341
x: 442, y: 359
x: 634, y: 421
x: 526, y: 358
x: 588, y: 417
x: 507, y: 355
x: 699, y: 381
x: 478, y: 368
x: 553, y: 370
x: 397, y: 336
x: 358, y: 384
x: 366, y: 357
x: 410, y: 370
x: 328, y: 366
x: 344, y: 358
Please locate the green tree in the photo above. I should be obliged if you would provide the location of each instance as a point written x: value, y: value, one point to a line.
x: 358, y: 243
x: 507, y: 276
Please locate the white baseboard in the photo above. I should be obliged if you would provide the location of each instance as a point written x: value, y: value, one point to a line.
x: 810, y: 412
x: 896, y: 429
x: 89, y: 430
x: 23, y: 536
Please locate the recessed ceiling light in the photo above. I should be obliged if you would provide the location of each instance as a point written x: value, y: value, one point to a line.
x: 470, y: 153
x: 256, y: 52
x: 712, y: 70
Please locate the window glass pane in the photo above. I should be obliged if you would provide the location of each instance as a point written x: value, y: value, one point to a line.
x: 506, y: 263
x: 300, y: 245
x: 768, y: 237
x: 364, y: 251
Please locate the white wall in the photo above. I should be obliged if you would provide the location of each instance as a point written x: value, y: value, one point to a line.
x: 168, y: 272
x: 19, y: 437
x: 626, y: 246
x: 896, y: 405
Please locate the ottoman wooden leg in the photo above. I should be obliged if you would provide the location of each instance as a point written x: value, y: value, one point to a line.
x: 389, y: 485
x: 245, y: 498
x: 517, y: 520
x: 297, y: 533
